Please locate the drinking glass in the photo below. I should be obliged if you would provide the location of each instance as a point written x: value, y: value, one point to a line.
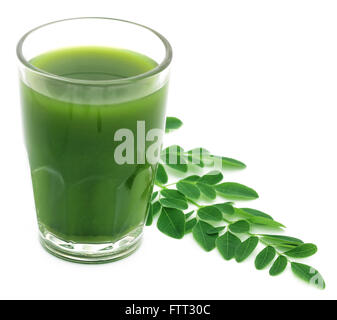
x: 91, y: 204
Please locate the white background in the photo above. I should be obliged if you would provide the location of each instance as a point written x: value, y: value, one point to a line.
x: 254, y: 80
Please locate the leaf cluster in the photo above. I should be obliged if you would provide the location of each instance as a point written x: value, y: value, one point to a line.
x: 181, y: 209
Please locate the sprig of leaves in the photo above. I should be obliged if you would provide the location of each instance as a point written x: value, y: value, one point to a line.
x: 221, y: 225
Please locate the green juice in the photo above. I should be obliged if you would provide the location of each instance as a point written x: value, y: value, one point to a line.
x: 81, y: 193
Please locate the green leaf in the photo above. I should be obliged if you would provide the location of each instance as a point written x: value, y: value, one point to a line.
x: 279, y: 240
x: 257, y: 213
x: 199, y: 151
x: 228, y: 162
x: 216, y: 230
x: 149, y: 218
x: 302, y: 251
x: 226, y: 208
x: 227, y: 245
x: 173, y: 153
x: 254, y: 219
x: 308, y: 274
x: 192, y: 178
x: 154, y: 196
x: 172, y: 223
x: 197, y: 156
x: 236, y: 191
x: 212, y: 177
x: 278, y: 266
x: 156, y: 207
x: 174, y: 203
x: 246, y: 248
x: 211, y: 213
x: 182, y: 167
x: 242, y: 213
x: 161, y: 176
x: 172, y: 123
x: 188, y: 189
x: 240, y: 226
x: 189, y: 225
x: 172, y: 194
x: 195, y: 160
x: 173, y: 157
x: 188, y: 215
x: 207, y: 190
x: 265, y: 222
x: 205, y: 240
x: 265, y: 257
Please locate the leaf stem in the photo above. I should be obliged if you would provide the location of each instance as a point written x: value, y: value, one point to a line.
x: 170, y: 184
x: 194, y: 203
x: 160, y: 186
x: 268, y: 244
x: 188, y: 199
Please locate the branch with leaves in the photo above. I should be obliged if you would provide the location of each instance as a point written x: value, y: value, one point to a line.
x: 221, y: 225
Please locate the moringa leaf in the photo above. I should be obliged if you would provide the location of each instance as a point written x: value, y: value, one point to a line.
x: 161, y: 176
x: 182, y: 167
x: 173, y: 157
x: 227, y: 245
x: 192, y: 178
x: 265, y: 222
x: 188, y: 189
x: 278, y: 266
x: 206, y: 241
x: 246, y: 248
x: 279, y: 240
x: 242, y: 213
x: 197, y: 156
x: 236, y: 191
x: 172, y: 194
x: 172, y: 123
x: 259, y: 220
x: 173, y: 149
x: 228, y: 163
x: 240, y: 226
x: 265, y: 257
x: 172, y: 222
x: 216, y: 230
x: 285, y: 247
x: 302, y: 251
x: 210, y: 213
x: 308, y: 274
x: 173, y: 203
x: 189, y: 225
x: 172, y: 154
x: 226, y: 207
x: 257, y: 213
x: 212, y: 177
x: 206, y: 190
x: 195, y: 160
x: 154, y: 196
x: 156, y: 207
x: 199, y: 151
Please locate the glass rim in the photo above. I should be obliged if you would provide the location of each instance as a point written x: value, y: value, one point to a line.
x: 159, y: 68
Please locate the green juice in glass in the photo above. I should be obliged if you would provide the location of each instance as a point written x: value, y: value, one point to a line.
x: 81, y: 194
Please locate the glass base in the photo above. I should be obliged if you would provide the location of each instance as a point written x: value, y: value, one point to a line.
x: 91, y: 253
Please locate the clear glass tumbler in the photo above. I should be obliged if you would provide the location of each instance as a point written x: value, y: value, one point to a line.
x: 93, y: 95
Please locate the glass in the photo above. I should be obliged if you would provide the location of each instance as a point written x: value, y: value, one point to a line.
x: 91, y: 201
